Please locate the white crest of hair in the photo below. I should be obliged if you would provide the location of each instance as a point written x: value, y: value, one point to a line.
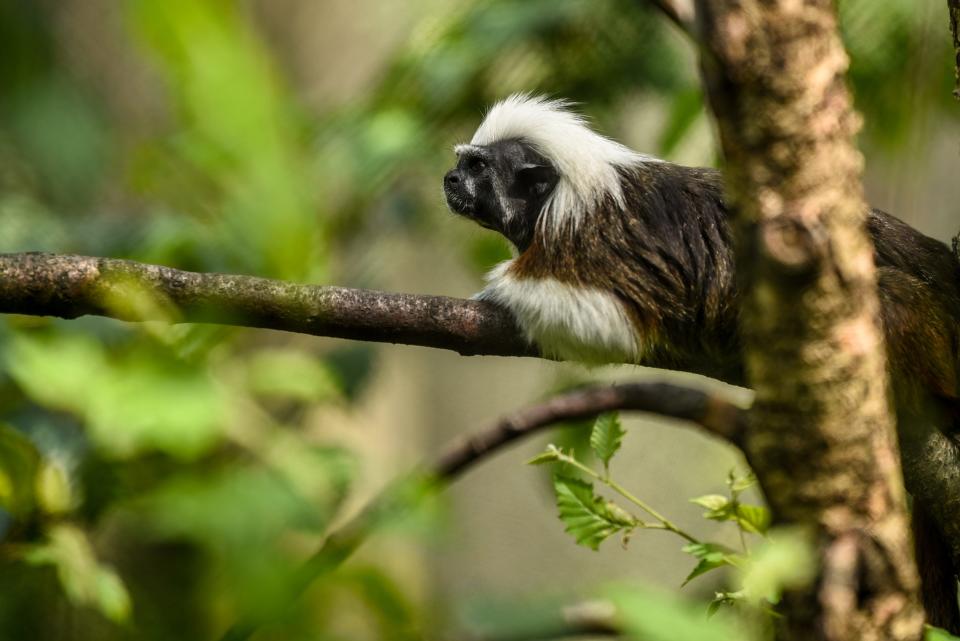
x: 565, y: 321
x: 586, y: 161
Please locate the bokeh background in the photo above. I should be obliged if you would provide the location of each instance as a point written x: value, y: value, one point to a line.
x: 159, y: 481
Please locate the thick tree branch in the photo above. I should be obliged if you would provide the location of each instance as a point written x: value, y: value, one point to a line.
x: 71, y: 286
x: 711, y: 413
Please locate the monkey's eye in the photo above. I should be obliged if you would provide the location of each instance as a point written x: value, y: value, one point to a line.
x: 476, y: 165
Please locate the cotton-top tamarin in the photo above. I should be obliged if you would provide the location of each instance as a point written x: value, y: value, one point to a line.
x: 621, y: 257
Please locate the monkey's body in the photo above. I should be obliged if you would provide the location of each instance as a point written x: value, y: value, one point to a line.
x: 625, y: 258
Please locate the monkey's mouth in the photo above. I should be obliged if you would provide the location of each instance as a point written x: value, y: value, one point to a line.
x: 460, y: 205
x: 468, y: 209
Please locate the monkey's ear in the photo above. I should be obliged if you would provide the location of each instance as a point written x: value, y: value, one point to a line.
x: 537, y: 180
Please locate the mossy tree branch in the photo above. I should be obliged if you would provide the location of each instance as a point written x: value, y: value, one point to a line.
x: 69, y: 286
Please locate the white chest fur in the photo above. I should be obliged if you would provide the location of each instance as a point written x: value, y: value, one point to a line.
x: 565, y: 321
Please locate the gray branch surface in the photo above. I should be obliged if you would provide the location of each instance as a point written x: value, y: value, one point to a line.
x: 69, y: 286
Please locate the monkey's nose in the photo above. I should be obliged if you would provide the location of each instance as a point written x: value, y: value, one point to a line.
x: 452, y: 179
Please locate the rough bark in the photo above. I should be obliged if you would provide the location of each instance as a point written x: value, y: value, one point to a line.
x: 821, y: 435
x: 66, y: 286
x: 70, y: 286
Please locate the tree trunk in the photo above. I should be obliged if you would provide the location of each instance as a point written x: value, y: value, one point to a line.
x: 821, y: 435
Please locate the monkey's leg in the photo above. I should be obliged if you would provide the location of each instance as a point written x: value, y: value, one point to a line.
x: 938, y: 580
x: 931, y: 470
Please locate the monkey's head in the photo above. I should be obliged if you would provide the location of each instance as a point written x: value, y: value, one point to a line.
x: 502, y: 186
x: 535, y: 165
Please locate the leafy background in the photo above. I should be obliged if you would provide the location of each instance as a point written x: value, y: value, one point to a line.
x: 159, y: 481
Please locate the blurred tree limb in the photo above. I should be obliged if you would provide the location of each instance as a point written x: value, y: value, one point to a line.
x: 954, y: 8
x: 679, y: 12
x: 710, y: 412
x: 821, y: 432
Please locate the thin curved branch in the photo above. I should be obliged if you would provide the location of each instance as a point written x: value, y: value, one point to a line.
x: 713, y: 414
x: 679, y: 12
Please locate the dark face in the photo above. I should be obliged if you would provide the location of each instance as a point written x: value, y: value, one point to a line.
x: 502, y: 186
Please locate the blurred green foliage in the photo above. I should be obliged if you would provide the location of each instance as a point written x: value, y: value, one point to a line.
x: 160, y: 482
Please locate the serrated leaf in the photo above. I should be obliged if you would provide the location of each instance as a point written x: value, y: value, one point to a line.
x: 706, y: 550
x: 712, y: 502
x: 606, y: 436
x: 585, y: 515
x: 711, y: 555
x: 753, y: 518
x: 702, y: 567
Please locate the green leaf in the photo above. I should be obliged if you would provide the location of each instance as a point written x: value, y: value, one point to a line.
x: 719, y: 508
x: 712, y: 502
x: 936, y: 634
x: 85, y: 581
x: 721, y: 599
x: 617, y: 514
x: 586, y: 515
x: 606, y: 436
x: 132, y: 401
x: 738, y: 484
x: 657, y: 617
x: 785, y: 560
x: 19, y: 462
x: 703, y: 567
x: 753, y: 518
x: 292, y: 374
x: 549, y: 456
x: 53, y: 490
x: 712, y: 556
x: 112, y: 596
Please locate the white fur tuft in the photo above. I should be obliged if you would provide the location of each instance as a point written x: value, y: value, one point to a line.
x: 587, y: 162
x: 566, y: 321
